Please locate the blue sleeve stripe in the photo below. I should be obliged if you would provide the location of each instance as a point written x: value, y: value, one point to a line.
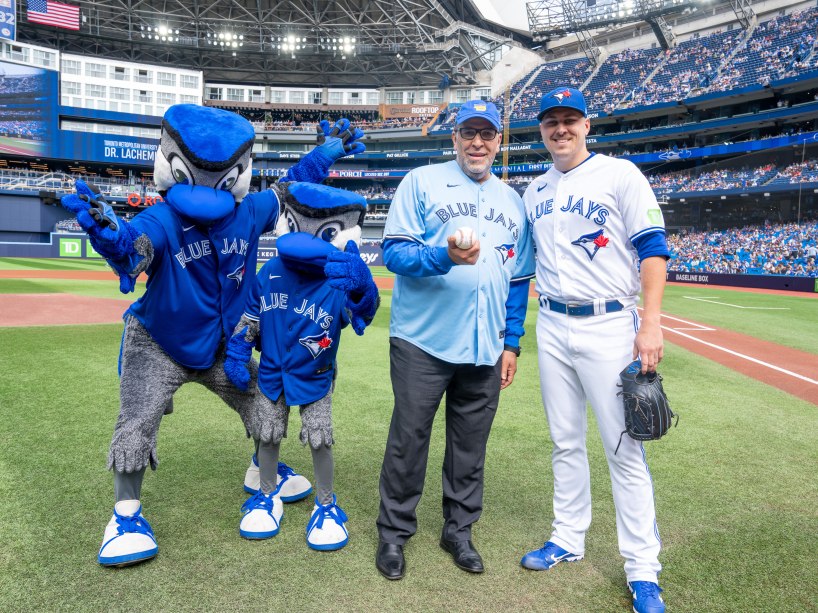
x: 650, y: 245
x: 647, y: 231
x: 523, y: 278
x: 400, y: 237
x: 251, y: 317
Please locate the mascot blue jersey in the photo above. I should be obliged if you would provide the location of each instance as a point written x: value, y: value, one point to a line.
x: 309, y: 313
x: 192, y: 262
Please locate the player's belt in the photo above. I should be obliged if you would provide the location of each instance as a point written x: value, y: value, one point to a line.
x: 582, y: 309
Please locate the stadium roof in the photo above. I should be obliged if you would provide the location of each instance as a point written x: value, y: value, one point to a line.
x: 362, y: 43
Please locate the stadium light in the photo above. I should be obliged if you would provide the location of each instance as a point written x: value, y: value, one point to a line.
x: 161, y: 32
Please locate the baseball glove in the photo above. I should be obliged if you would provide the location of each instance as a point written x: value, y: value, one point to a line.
x: 647, y: 411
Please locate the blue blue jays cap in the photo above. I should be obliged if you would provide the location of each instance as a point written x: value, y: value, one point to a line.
x: 563, y: 98
x: 479, y: 109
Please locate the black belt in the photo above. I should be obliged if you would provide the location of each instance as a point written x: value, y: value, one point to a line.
x: 580, y: 309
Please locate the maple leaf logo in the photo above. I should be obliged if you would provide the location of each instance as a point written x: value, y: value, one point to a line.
x: 325, y: 342
x: 601, y: 241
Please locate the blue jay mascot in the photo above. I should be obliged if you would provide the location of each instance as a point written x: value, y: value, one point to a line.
x: 198, y: 249
x: 300, y: 301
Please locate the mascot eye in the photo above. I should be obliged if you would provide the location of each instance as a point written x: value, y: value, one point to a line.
x: 180, y: 171
x: 229, y: 180
x: 292, y: 225
x: 329, y: 231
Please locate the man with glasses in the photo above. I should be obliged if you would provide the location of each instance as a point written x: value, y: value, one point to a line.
x: 457, y: 319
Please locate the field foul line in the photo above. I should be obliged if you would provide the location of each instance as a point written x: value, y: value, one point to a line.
x: 697, y: 327
x: 737, y: 306
x: 741, y: 355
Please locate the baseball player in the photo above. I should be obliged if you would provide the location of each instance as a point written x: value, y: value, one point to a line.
x: 457, y: 318
x: 599, y: 238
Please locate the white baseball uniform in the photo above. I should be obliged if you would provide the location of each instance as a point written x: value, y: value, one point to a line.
x: 584, y: 222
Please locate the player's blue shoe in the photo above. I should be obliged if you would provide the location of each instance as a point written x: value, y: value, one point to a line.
x: 262, y: 515
x: 293, y: 487
x: 646, y: 597
x: 547, y: 556
x: 326, y: 530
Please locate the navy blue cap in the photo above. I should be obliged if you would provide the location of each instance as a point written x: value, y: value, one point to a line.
x: 563, y: 98
x: 479, y: 109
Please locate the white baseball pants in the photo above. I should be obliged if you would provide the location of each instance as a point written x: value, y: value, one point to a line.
x: 580, y: 359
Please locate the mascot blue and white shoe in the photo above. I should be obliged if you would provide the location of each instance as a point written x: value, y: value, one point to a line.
x: 300, y: 301
x: 198, y: 248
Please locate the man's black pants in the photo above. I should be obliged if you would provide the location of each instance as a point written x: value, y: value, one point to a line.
x: 419, y: 381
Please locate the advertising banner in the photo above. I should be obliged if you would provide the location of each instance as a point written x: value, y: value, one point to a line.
x: 8, y: 20
x: 393, y: 111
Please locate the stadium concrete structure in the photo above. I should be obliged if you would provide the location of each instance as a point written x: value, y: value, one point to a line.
x: 721, y: 111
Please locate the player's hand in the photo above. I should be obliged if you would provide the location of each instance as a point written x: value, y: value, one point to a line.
x: 649, y: 345
x: 508, y: 368
x: 463, y: 256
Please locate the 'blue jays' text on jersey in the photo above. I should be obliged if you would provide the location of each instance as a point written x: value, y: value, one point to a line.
x: 300, y: 319
x: 584, y: 222
x: 460, y: 315
x: 199, y: 277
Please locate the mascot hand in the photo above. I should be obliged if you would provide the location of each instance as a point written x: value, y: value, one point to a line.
x: 94, y: 214
x: 346, y: 270
x: 110, y: 236
x: 341, y: 140
x: 239, y: 352
x: 333, y: 144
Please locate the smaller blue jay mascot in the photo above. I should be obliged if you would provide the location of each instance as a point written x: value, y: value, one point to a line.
x: 198, y: 249
x: 299, y: 303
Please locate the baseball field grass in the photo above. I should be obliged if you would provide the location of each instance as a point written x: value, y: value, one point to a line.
x: 735, y: 486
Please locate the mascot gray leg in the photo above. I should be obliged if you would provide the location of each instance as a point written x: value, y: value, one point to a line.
x: 269, y: 422
x: 149, y: 379
x: 262, y: 513
x: 326, y: 530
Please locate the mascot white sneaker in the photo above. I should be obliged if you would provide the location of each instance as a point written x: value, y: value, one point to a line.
x: 128, y: 537
x: 262, y: 516
x: 293, y: 487
x: 326, y: 530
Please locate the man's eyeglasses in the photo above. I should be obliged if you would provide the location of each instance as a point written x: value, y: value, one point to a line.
x: 470, y: 133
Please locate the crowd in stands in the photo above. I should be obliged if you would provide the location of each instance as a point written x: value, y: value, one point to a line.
x: 776, y: 249
x: 732, y: 178
x: 686, y: 68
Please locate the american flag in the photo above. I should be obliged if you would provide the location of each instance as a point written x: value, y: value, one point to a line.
x: 54, y: 14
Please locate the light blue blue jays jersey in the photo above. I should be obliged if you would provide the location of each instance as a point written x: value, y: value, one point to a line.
x: 456, y: 313
x: 200, y: 276
x: 300, y: 319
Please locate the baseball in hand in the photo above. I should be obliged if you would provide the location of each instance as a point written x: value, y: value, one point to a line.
x: 464, y: 237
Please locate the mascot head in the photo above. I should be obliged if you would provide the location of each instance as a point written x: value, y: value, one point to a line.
x: 331, y: 214
x: 208, y: 151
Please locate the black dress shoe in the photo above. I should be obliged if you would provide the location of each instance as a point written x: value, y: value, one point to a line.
x: 464, y: 554
x: 390, y: 561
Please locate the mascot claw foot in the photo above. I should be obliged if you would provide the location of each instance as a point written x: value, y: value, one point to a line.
x: 292, y: 486
x: 128, y: 537
x: 326, y: 530
x: 262, y: 516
